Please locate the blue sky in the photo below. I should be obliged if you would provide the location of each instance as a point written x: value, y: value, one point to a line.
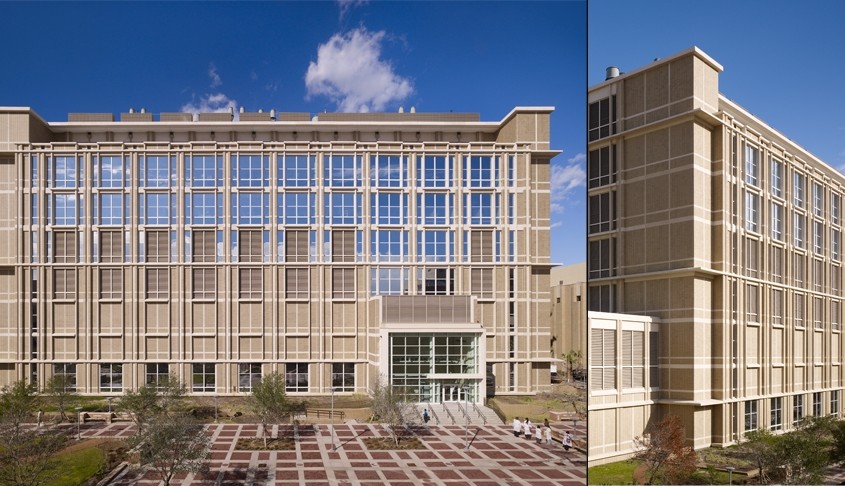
x: 782, y: 59
x: 484, y: 57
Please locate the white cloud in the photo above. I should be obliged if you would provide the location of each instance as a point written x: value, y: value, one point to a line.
x: 349, y: 70
x: 566, y: 178
x: 211, y: 103
x: 212, y: 74
x: 347, y: 5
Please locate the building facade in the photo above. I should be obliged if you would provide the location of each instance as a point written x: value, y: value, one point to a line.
x: 703, y: 216
x: 331, y: 249
x: 569, y: 313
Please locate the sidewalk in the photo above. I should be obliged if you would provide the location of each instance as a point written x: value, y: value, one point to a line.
x: 495, y: 457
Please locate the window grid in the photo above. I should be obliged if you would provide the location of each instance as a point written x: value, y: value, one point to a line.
x: 296, y: 170
x: 250, y: 283
x: 750, y: 415
x: 111, y: 283
x: 111, y: 378
x: 296, y: 377
x: 249, y: 375
x: 158, y: 283
x: 250, y: 170
x: 388, y: 171
x: 435, y: 170
x: 203, y: 377
x: 157, y: 374
x: 68, y: 371
x: 343, y: 377
x: 776, y: 421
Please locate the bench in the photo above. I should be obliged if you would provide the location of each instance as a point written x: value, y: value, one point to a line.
x: 323, y: 412
x: 106, y: 416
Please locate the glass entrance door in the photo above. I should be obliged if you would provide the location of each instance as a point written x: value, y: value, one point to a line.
x: 451, y: 392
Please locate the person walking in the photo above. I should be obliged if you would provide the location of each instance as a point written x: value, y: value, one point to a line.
x: 426, y: 417
x: 517, y: 427
x: 538, y: 434
x: 40, y: 417
x: 567, y: 441
x: 548, y: 433
x: 526, y: 428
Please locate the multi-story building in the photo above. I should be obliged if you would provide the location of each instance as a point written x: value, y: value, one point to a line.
x: 703, y: 216
x: 331, y: 249
x: 569, y: 313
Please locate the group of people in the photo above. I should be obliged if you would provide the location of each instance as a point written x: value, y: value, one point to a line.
x: 540, y: 432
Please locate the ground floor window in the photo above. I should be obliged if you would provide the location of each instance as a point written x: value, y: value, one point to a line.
x: 203, y: 377
x: 111, y: 377
x: 797, y: 409
x: 449, y: 356
x: 834, y: 402
x: 157, y: 374
x: 249, y: 374
x: 776, y: 419
x: 296, y: 377
x: 817, y: 404
x: 751, y: 415
x: 343, y: 377
x: 67, y: 372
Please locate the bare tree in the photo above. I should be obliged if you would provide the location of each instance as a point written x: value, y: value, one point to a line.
x: 666, y: 459
x: 270, y: 402
x: 172, y: 444
x: 392, y: 408
x: 61, y: 391
x: 26, y: 453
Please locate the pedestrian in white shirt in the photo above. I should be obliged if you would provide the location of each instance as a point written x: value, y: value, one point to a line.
x: 517, y: 427
x: 538, y: 435
x: 526, y: 428
x: 548, y: 433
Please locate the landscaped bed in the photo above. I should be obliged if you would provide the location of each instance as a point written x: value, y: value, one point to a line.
x: 387, y: 444
x: 257, y: 444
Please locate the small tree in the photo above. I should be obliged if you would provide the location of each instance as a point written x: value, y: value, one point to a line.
x: 151, y: 400
x: 26, y: 454
x: 761, y: 447
x: 61, y: 392
x: 665, y: 457
x: 573, y: 362
x: 270, y: 402
x: 391, y: 407
x: 171, y: 444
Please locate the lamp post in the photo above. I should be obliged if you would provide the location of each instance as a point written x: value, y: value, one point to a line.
x: 334, y: 447
x: 466, y: 413
x: 78, y: 420
x: 730, y: 474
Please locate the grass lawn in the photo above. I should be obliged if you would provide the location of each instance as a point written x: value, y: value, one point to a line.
x: 78, y: 466
x: 621, y: 472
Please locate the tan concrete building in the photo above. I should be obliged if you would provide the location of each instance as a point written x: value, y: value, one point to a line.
x: 331, y: 249
x: 705, y: 217
x: 569, y: 312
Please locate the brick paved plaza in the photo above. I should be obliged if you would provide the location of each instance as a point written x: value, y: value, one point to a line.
x: 495, y: 457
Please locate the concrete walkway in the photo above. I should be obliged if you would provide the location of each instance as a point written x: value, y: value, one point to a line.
x: 495, y: 457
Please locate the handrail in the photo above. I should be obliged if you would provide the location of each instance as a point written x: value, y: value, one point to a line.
x: 478, y: 411
x: 433, y: 414
x: 463, y: 412
x: 449, y: 413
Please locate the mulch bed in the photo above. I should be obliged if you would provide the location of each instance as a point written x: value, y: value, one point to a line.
x: 387, y: 444
x: 257, y: 444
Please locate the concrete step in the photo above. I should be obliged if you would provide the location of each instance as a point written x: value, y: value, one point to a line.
x: 452, y: 413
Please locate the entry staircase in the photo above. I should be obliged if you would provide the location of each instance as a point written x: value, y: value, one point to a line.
x: 456, y: 413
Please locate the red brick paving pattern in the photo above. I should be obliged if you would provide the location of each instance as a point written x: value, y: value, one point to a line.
x: 496, y: 457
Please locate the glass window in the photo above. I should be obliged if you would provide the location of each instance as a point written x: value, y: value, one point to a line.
x: 602, y: 166
x: 601, y: 255
x: 296, y: 170
x: 602, y: 212
x: 776, y: 422
x: 203, y: 170
x: 110, y: 209
x: 835, y: 205
x: 798, y: 189
x: 818, y: 199
x: 156, y: 208
x: 818, y: 237
x: 834, y: 402
x: 750, y: 415
x: 817, y: 404
x: 481, y: 171
x: 777, y: 221
x: 752, y: 166
x: 296, y: 377
x: 65, y: 209
x: 388, y: 281
x: 435, y: 246
x: 64, y: 171
x: 343, y: 208
x: 109, y: 171
x: 798, y: 309
x: 389, y: 208
x: 798, y: 230
x: 68, y: 371
x: 777, y: 177
x: 481, y: 208
x: 343, y: 377
x: 249, y: 375
x: 250, y: 170
x: 204, y: 208
x: 797, y: 409
x: 111, y: 378
x: 157, y: 171
x: 389, y: 171
x: 342, y: 170
x: 296, y: 208
x: 777, y: 307
x: 752, y: 211
x: 157, y: 374
x: 435, y: 281
x: 434, y: 171
x: 835, y: 315
x: 601, y: 118
x: 389, y: 245
x: 250, y: 208
x: 435, y: 208
x: 203, y: 377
